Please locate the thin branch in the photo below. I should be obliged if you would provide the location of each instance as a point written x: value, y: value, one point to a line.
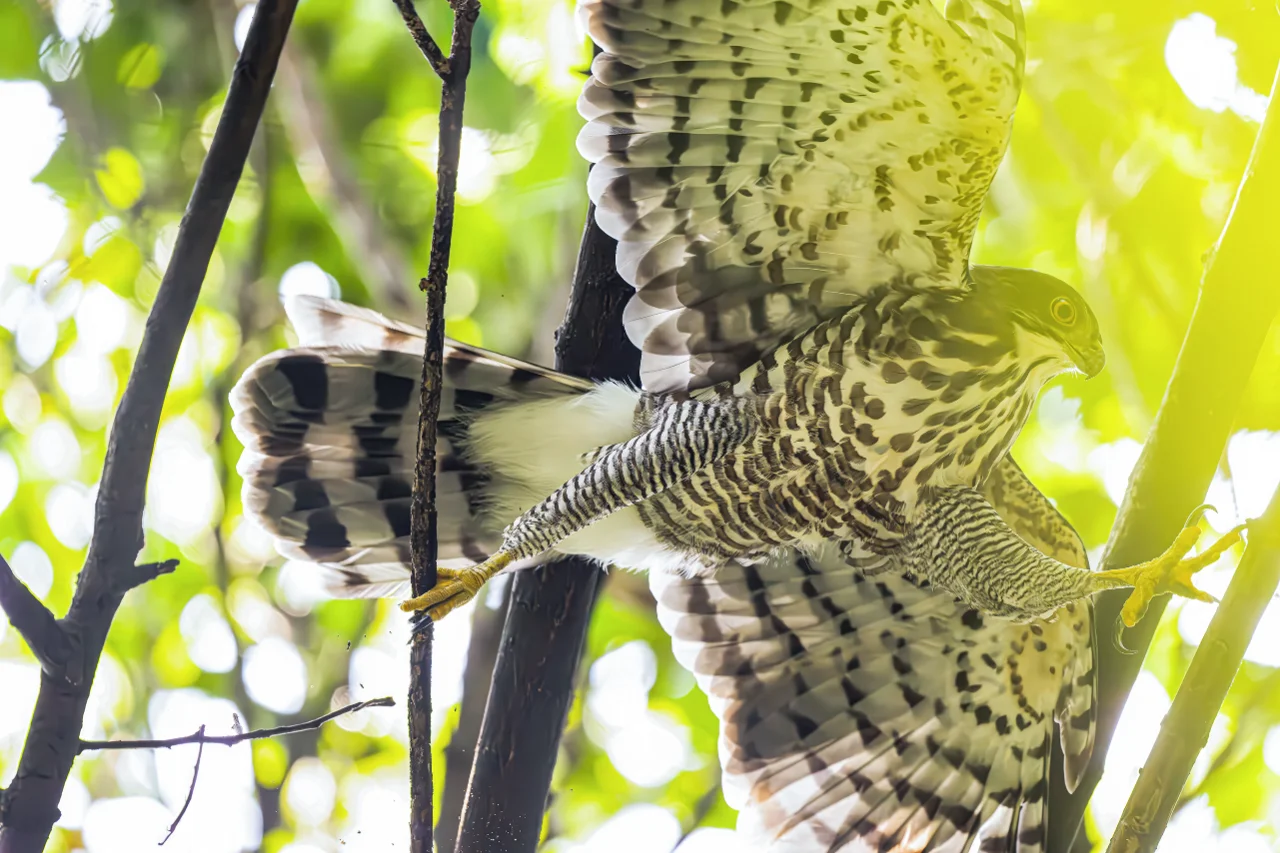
x: 1227, y: 331
x: 191, y: 792
x: 1185, y: 730
x: 53, y: 740
x: 136, y: 574
x: 239, y: 737
x: 423, y: 39
x: 422, y: 513
x: 34, y: 623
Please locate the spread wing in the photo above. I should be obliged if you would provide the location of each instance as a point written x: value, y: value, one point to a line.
x: 869, y: 714
x: 763, y: 162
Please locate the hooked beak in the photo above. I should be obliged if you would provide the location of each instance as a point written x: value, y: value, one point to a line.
x: 1090, y: 361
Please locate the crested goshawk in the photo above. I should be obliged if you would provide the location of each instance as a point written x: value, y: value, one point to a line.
x: 887, y: 616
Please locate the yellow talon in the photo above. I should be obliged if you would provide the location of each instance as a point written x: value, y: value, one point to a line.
x: 1169, y: 572
x: 455, y: 587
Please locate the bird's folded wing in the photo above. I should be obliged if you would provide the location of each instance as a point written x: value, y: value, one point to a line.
x: 763, y: 163
x: 869, y: 714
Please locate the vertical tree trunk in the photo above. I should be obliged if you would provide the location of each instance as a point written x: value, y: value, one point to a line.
x: 533, y: 680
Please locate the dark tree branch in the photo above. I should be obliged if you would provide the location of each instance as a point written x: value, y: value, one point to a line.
x: 1185, y: 729
x: 191, y: 792
x: 533, y: 681
x: 53, y: 741
x: 34, y: 623
x: 486, y: 633
x: 423, y: 39
x: 422, y: 514
x: 239, y: 737
x: 1228, y: 328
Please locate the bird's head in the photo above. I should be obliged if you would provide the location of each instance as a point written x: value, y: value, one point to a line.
x: 1047, y: 309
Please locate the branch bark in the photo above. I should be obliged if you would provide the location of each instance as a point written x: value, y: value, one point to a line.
x: 422, y: 514
x: 1185, y: 729
x: 1227, y: 330
x: 231, y: 740
x: 53, y: 741
x: 533, y: 680
x: 486, y: 633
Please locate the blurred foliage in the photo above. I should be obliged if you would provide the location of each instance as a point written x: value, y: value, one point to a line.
x: 1130, y: 138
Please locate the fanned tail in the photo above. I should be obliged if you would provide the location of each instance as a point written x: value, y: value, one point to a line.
x: 330, y: 436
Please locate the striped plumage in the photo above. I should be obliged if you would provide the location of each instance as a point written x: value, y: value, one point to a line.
x: 857, y: 707
x: 887, y: 615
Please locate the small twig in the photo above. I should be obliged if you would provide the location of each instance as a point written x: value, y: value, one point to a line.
x: 33, y: 622
x: 422, y: 513
x: 232, y: 740
x: 191, y: 792
x: 129, y: 578
x: 701, y: 809
x: 423, y: 39
x: 1185, y: 729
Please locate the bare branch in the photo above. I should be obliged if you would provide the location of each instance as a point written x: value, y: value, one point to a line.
x: 486, y: 632
x: 1228, y: 328
x: 135, y: 575
x: 53, y: 741
x: 1185, y: 729
x: 533, y: 680
x: 191, y: 792
x: 239, y: 737
x: 34, y: 623
x: 422, y: 513
x: 425, y: 42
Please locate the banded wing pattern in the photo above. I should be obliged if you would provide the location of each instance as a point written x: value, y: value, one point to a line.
x: 330, y: 435
x: 765, y: 162
x: 869, y: 714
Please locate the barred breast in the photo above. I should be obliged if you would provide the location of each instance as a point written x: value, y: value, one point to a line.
x: 857, y: 418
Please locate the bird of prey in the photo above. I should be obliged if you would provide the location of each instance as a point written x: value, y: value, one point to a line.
x: 887, y: 615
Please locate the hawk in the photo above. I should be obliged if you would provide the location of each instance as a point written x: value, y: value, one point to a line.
x: 886, y: 614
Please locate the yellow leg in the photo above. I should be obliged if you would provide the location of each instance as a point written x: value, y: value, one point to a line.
x: 1169, y: 572
x: 455, y: 587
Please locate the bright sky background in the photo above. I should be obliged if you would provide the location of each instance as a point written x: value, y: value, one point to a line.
x: 646, y: 746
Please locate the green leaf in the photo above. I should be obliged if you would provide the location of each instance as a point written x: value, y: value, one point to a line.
x: 119, y: 176
x: 140, y: 67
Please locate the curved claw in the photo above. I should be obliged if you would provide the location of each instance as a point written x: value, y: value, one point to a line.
x: 1117, y: 638
x: 1197, y: 514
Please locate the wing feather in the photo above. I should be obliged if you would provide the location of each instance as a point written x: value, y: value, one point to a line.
x: 762, y: 164
x: 868, y: 713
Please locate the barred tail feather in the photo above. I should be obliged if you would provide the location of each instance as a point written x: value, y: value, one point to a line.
x: 330, y: 436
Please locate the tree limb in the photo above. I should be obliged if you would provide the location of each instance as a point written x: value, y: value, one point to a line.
x: 486, y: 633
x: 191, y: 792
x: 1227, y: 330
x: 231, y: 740
x: 34, y: 623
x: 533, y: 680
x: 422, y: 513
x: 53, y: 741
x: 423, y: 39
x: 1185, y: 729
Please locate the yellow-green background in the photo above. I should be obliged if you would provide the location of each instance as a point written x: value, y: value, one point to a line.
x: 1133, y: 130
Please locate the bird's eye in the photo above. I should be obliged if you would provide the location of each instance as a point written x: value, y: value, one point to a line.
x: 1063, y: 311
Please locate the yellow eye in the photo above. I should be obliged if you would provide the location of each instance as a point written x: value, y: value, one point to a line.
x: 1063, y: 311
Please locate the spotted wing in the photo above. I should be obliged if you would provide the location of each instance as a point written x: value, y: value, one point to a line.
x: 762, y: 164
x: 868, y: 714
